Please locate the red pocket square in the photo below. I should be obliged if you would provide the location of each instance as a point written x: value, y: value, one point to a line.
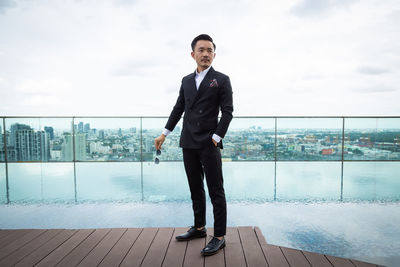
x: 214, y: 83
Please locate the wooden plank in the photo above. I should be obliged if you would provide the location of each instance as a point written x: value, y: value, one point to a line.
x: 63, y: 250
x: 16, y: 244
x: 260, y: 236
x: 29, y: 247
x: 217, y: 259
x: 295, y: 257
x: 46, y: 249
x: 193, y: 257
x: 84, y: 248
x: 158, y: 248
x: 102, y: 248
x: 362, y: 263
x: 339, y: 261
x: 176, y: 250
x: 233, y: 251
x: 12, y: 236
x: 4, y: 233
x: 274, y: 256
x: 252, y: 249
x: 139, y: 249
x: 316, y: 259
x: 118, y: 252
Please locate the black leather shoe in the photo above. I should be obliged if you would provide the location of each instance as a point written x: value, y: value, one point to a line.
x: 213, y: 246
x: 191, y: 234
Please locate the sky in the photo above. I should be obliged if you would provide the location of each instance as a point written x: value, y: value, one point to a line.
x: 127, y: 58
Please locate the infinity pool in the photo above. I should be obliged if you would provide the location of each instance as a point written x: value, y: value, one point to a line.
x: 364, y: 231
x: 304, y: 205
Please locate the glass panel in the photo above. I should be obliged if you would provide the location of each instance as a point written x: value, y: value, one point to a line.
x: 243, y: 181
x: 114, y: 181
x: 3, y: 185
x: 43, y: 182
x: 309, y: 139
x: 38, y: 139
x: 249, y: 181
x: 153, y: 127
x: 165, y: 181
x: 372, y: 139
x: 250, y: 139
x: 308, y: 180
x: 371, y: 181
x: 107, y: 139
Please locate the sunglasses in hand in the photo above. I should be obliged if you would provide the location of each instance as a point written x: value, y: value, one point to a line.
x: 158, y: 153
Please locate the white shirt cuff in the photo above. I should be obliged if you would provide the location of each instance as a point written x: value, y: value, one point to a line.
x: 166, y: 132
x: 216, y: 138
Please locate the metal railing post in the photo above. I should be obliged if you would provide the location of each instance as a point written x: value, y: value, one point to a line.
x: 275, y: 155
x: 6, y: 160
x: 141, y: 157
x: 73, y: 157
x: 341, y: 176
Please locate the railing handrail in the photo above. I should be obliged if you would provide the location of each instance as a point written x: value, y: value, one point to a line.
x: 240, y: 116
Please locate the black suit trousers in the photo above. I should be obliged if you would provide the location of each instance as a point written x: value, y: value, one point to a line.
x: 206, y: 160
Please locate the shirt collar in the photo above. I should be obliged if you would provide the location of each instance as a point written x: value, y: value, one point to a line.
x: 202, y: 73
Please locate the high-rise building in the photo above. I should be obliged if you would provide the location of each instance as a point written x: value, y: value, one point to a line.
x: 67, y: 147
x: 80, y: 127
x: 86, y: 128
x: 80, y: 146
x: 101, y: 134
x: 29, y: 145
x: 50, y: 131
x: 148, y: 145
x: 1, y: 137
x: 2, y: 150
x: 13, y: 132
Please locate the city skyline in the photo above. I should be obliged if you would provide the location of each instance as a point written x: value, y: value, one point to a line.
x: 252, y: 143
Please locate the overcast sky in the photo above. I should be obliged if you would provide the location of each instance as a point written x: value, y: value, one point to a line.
x: 121, y: 57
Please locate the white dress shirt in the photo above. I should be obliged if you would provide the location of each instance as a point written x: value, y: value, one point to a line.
x: 199, y: 78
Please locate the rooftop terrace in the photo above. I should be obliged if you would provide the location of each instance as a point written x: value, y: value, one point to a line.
x: 153, y: 247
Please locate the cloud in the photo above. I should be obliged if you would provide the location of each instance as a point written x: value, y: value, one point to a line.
x: 43, y: 87
x: 378, y: 88
x: 312, y: 8
x: 369, y: 70
x: 134, y: 68
x: 124, y: 2
x: 4, y: 4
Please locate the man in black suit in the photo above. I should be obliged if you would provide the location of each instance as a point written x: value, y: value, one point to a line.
x: 201, y: 96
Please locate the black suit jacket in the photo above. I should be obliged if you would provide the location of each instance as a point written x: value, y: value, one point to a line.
x: 201, y: 108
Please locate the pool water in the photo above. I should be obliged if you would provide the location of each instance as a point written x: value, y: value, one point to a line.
x: 304, y: 205
x: 359, y: 230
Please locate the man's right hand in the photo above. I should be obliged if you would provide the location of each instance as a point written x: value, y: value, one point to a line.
x: 159, y: 141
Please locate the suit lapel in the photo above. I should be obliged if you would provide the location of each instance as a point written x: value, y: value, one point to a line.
x: 203, y: 85
x: 191, y: 91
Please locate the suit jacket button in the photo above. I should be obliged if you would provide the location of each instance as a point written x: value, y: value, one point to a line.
x: 201, y: 111
x: 198, y: 124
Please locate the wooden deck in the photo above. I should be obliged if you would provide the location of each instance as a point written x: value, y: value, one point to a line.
x: 246, y: 246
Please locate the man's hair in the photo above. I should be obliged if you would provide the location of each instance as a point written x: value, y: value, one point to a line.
x: 204, y: 37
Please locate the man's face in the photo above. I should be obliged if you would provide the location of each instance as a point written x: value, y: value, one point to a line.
x: 203, y: 54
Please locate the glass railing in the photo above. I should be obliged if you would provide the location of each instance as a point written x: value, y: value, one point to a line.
x: 75, y: 159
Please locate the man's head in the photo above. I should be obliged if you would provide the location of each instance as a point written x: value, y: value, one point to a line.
x: 203, y: 51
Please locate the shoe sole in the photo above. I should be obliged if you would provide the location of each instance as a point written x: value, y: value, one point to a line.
x: 187, y: 239
x: 213, y: 253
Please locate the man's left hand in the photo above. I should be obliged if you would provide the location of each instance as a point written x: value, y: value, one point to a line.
x: 215, y: 142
